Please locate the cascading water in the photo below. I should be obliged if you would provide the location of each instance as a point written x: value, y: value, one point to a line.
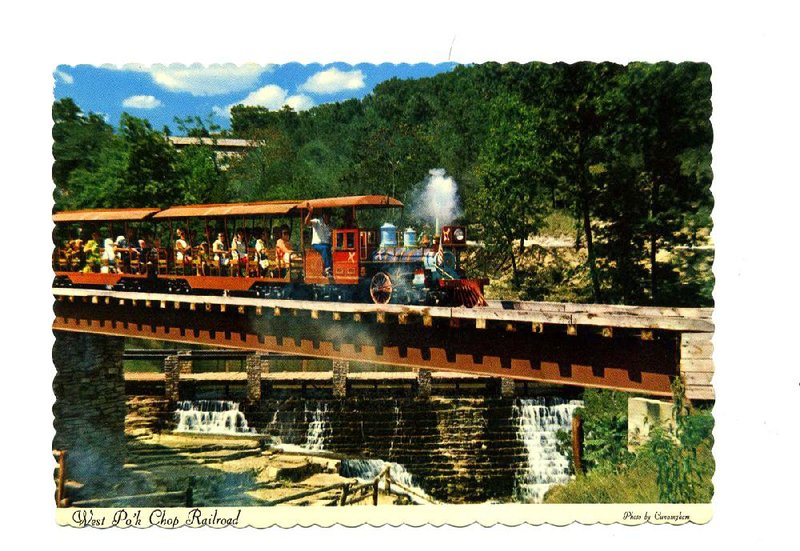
x: 211, y: 417
x: 538, y: 420
x: 317, y: 428
x: 368, y: 469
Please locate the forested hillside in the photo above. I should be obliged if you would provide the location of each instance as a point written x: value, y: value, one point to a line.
x: 615, y: 158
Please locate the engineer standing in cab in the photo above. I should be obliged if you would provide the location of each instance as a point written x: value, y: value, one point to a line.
x: 321, y: 238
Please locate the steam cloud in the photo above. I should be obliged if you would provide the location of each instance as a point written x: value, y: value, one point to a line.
x: 437, y: 199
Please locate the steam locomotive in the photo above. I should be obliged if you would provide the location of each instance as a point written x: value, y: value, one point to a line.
x: 373, y: 264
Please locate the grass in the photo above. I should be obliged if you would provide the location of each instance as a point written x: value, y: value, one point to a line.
x: 634, y: 484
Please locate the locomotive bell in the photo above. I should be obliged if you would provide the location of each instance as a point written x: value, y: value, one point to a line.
x: 388, y: 235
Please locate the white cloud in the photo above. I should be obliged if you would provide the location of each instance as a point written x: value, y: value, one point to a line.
x: 201, y: 80
x: 300, y: 102
x: 271, y: 96
x: 141, y: 102
x: 333, y: 80
x: 66, y: 78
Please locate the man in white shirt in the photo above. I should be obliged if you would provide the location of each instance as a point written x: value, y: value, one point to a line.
x: 321, y: 237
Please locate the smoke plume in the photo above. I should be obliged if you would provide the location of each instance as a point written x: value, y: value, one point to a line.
x: 437, y: 199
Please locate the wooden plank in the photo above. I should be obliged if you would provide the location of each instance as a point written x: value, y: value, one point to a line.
x: 701, y: 378
x: 489, y: 314
x: 705, y: 366
x: 671, y: 319
x: 700, y: 393
x: 605, y: 309
x: 649, y: 322
x: 697, y: 350
x: 691, y: 338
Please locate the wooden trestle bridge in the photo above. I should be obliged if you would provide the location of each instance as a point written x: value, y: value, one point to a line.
x: 635, y: 349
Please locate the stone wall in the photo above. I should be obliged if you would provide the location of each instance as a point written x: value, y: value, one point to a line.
x: 90, y: 405
x: 460, y: 449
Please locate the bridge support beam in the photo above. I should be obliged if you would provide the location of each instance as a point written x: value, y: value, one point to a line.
x: 254, y: 368
x: 424, y: 383
x: 90, y: 405
x: 340, y: 369
x: 645, y: 414
x: 184, y: 361
x: 508, y: 387
x: 172, y: 379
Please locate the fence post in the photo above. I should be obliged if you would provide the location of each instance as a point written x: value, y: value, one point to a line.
x: 577, y: 443
x: 345, y: 491
x: 62, y: 477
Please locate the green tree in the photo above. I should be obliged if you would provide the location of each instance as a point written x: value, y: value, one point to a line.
x: 660, y: 116
x: 266, y: 172
x: 78, y: 143
x: 135, y: 168
x: 507, y: 201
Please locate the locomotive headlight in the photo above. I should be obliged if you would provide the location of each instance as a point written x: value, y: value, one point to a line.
x: 458, y: 235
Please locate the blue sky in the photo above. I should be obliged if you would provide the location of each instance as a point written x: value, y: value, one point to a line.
x: 159, y: 93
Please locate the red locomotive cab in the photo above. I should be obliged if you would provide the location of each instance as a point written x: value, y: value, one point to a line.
x: 346, y: 256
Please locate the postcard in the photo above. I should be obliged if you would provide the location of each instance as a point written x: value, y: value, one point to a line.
x: 352, y: 294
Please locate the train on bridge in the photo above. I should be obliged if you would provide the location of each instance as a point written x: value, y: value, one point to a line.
x: 185, y: 249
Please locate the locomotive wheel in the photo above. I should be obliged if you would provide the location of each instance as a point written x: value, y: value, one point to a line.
x: 380, y: 288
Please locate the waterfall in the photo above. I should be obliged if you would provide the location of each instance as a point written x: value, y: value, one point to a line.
x: 317, y: 427
x: 538, y: 420
x: 368, y: 469
x: 211, y: 417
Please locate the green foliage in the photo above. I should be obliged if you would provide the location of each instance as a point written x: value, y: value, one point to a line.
x: 200, y: 176
x: 617, y: 156
x: 558, y: 223
x: 674, y: 466
x: 682, y: 456
x: 79, y: 143
x: 506, y: 203
x: 553, y: 275
x: 635, y: 484
x: 605, y: 428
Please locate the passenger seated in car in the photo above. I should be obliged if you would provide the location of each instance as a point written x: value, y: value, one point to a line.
x: 239, y: 254
x: 183, y: 251
x: 262, y: 256
x: 283, y: 248
x: 92, y: 254
x: 220, y: 251
x: 109, y: 256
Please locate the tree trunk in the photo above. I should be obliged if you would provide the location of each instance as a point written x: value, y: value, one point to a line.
x: 514, y: 267
x: 587, y: 231
x: 653, y: 241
